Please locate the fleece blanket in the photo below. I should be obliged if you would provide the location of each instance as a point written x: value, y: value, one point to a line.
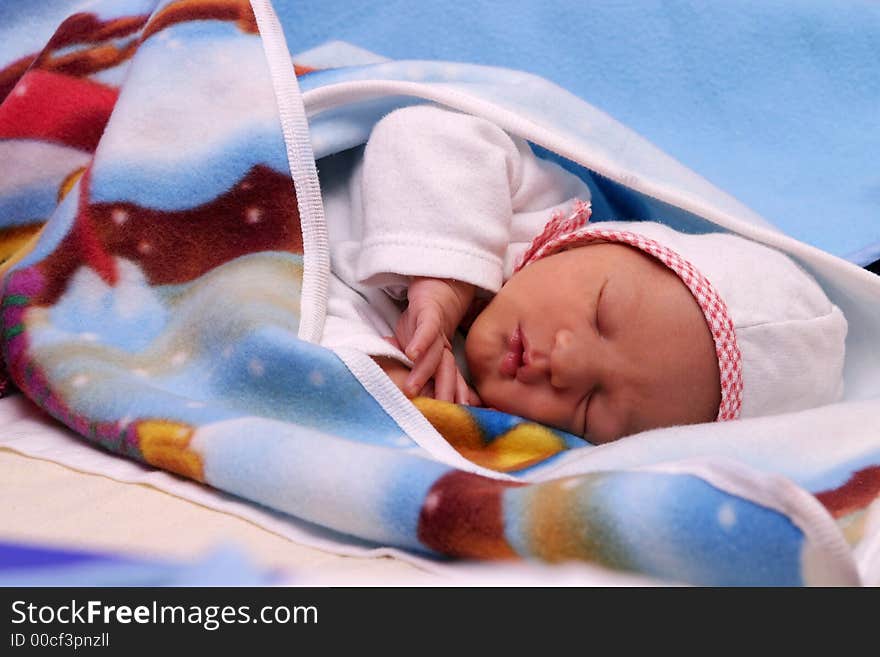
x: 164, y: 287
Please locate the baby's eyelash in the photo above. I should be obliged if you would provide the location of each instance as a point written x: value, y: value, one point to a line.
x: 599, y: 305
x: 586, y: 405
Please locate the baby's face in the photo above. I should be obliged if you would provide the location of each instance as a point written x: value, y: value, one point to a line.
x: 601, y: 341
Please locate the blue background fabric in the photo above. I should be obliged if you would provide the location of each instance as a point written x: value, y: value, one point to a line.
x: 776, y: 103
x: 23, y: 564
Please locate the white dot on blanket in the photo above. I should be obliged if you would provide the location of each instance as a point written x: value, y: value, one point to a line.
x: 253, y: 215
x: 256, y: 367
x: 21, y: 89
x: 145, y: 247
x: 316, y: 378
x: 432, y: 501
x: 119, y: 216
x: 726, y: 516
x: 79, y: 380
x: 179, y: 358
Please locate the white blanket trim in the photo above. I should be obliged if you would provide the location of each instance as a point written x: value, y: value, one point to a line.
x: 303, y: 171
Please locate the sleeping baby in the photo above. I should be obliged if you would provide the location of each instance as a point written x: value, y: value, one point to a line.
x: 443, y: 222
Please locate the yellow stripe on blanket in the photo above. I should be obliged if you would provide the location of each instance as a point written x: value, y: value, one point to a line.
x: 523, y: 445
x: 16, y: 242
x: 165, y: 444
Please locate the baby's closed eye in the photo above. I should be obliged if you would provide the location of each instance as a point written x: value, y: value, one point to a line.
x: 585, y: 413
x: 603, y: 319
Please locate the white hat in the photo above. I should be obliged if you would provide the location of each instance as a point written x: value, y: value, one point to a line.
x: 779, y: 339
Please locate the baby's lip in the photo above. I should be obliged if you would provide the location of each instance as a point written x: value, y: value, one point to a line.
x: 526, y: 352
x: 529, y: 370
x: 513, y: 357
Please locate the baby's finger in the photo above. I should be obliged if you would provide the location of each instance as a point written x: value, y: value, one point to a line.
x: 403, y: 330
x: 428, y: 389
x: 445, y: 377
x: 462, y: 393
x: 424, y: 368
x: 426, y: 331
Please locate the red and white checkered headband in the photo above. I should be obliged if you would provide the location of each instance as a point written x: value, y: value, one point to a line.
x: 563, y: 232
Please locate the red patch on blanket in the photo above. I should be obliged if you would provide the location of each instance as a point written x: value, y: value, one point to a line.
x: 259, y: 213
x: 57, y: 108
x: 462, y: 516
x: 862, y: 488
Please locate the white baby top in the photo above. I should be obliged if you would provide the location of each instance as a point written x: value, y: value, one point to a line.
x: 433, y: 193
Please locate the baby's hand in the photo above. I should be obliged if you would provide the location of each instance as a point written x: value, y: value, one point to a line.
x: 435, y: 308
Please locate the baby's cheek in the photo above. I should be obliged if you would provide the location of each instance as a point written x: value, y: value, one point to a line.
x: 496, y: 394
x: 476, y: 354
x: 610, y: 420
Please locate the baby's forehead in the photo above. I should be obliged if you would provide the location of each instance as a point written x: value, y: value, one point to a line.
x: 580, y: 272
x: 612, y: 257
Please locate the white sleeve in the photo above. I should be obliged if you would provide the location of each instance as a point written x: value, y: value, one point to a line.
x: 437, y: 192
x: 360, y: 321
x: 545, y: 189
